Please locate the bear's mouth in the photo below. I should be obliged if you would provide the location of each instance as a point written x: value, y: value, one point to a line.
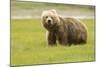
x: 50, y: 26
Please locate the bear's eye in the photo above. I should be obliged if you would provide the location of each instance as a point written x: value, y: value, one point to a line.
x: 46, y: 16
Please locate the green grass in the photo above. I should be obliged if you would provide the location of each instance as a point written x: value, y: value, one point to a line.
x: 28, y: 45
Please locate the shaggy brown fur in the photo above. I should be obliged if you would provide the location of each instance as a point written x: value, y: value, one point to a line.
x: 66, y: 30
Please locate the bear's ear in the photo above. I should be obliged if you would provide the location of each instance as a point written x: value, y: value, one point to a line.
x: 53, y: 11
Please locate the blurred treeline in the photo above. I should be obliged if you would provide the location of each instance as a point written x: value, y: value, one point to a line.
x: 17, y: 4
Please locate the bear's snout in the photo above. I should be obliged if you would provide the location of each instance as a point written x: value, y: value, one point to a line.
x: 49, y: 21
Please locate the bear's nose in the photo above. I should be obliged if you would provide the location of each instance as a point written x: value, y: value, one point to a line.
x: 49, y: 21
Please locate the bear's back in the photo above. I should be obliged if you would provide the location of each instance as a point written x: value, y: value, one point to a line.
x: 77, y: 31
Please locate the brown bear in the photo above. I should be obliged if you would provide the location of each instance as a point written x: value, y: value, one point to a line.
x: 66, y: 31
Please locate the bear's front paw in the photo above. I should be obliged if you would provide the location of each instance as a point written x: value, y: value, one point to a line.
x: 52, y: 44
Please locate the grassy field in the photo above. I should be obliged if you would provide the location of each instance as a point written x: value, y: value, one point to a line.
x: 28, y: 45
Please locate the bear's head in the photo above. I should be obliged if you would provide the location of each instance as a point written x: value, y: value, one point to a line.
x: 50, y: 19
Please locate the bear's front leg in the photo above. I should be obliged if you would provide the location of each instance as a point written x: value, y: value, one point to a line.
x: 51, y: 38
